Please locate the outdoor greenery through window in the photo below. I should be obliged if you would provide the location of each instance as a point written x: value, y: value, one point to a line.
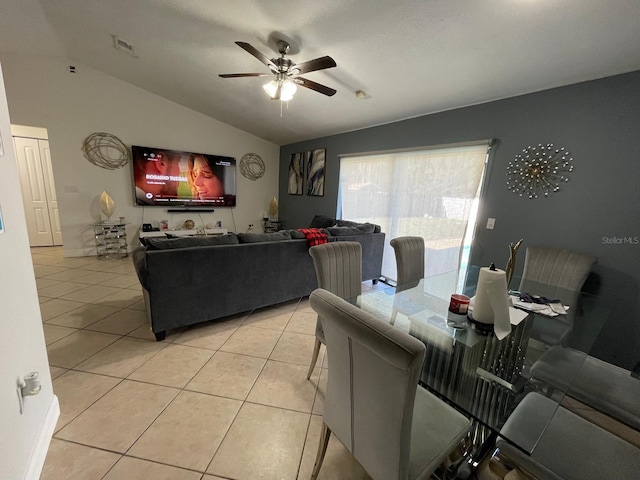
x: 431, y: 193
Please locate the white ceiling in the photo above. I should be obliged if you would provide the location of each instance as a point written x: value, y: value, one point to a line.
x: 412, y: 57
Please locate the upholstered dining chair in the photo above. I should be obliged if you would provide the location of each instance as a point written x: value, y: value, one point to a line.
x: 409, y: 253
x: 339, y: 270
x: 553, y: 272
x: 409, y: 260
x: 601, y: 385
x: 394, y: 428
x: 568, y: 447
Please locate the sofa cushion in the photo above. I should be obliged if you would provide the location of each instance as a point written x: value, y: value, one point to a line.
x: 348, y: 223
x: 154, y: 243
x: 320, y: 221
x: 355, y: 230
x: 296, y: 235
x: 264, y: 237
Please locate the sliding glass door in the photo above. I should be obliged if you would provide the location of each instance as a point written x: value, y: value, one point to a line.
x: 431, y: 193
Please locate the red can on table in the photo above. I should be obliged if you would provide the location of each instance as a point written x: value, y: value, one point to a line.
x: 459, y: 304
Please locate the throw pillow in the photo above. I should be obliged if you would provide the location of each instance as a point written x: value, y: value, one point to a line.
x: 296, y: 235
x: 264, y: 237
x: 348, y: 223
x: 357, y: 230
x: 153, y: 243
x: 320, y: 221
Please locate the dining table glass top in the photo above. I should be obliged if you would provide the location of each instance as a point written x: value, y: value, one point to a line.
x: 483, y: 377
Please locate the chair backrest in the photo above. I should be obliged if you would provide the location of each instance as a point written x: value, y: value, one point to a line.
x: 555, y: 268
x: 372, y: 385
x: 409, y: 260
x: 339, y: 267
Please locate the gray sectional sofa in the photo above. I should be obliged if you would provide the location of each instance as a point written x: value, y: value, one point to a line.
x: 190, y: 280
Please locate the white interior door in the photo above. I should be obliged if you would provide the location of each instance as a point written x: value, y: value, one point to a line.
x: 38, y: 191
x: 50, y: 189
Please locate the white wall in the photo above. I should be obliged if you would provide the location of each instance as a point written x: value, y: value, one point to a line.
x: 41, y: 92
x: 23, y: 438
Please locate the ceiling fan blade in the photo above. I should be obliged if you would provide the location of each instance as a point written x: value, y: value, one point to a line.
x: 263, y: 58
x: 303, y: 82
x: 237, y: 75
x: 316, y: 64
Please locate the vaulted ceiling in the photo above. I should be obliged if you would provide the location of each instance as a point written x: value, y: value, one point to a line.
x: 411, y: 57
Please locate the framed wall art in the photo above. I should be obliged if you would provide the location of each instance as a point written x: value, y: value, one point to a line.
x: 315, y: 166
x: 296, y: 165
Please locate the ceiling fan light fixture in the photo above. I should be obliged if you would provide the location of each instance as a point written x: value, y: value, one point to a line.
x: 287, y: 90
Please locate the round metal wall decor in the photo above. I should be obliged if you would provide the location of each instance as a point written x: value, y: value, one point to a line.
x: 539, y: 171
x: 106, y: 151
x: 252, y: 166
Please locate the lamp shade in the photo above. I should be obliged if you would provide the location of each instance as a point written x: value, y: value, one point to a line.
x: 287, y: 91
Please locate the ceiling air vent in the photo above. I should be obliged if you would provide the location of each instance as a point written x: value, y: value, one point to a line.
x: 123, y: 46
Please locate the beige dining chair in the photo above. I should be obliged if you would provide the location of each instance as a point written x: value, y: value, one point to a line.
x: 409, y: 261
x: 568, y: 447
x: 553, y: 273
x: 393, y: 427
x: 338, y: 270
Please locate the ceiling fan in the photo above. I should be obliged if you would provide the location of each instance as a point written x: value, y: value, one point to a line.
x: 286, y: 72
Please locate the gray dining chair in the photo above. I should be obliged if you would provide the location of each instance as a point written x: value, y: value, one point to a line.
x: 553, y: 273
x: 409, y: 261
x: 409, y: 253
x: 394, y: 428
x: 338, y: 270
x: 603, y: 386
x: 567, y: 447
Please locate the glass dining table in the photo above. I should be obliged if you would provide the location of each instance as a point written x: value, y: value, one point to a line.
x: 483, y: 377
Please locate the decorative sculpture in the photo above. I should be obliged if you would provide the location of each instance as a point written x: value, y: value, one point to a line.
x: 511, y: 263
x: 106, y: 151
x: 273, y: 210
x: 107, y: 205
x: 252, y: 166
x: 539, y: 170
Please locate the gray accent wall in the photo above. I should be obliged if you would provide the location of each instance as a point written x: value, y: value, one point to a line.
x: 597, y: 212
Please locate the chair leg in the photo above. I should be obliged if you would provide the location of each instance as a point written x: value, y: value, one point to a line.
x: 393, y: 317
x: 314, y: 358
x: 322, y: 449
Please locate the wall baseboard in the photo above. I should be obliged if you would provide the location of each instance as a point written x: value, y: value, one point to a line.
x: 36, y: 462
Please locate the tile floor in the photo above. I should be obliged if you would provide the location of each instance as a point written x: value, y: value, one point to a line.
x: 223, y: 400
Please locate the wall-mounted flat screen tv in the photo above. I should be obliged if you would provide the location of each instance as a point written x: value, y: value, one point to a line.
x: 171, y: 178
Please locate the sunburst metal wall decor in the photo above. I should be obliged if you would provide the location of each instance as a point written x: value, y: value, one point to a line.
x: 539, y: 171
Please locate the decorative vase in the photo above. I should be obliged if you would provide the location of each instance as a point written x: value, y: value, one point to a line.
x: 273, y: 209
x: 107, y: 205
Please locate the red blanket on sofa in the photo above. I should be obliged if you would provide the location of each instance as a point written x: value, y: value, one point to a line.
x: 315, y: 236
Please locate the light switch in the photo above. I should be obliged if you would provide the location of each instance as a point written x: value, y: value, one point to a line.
x: 491, y: 222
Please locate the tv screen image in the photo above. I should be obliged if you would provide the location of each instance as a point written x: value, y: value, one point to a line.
x: 171, y: 178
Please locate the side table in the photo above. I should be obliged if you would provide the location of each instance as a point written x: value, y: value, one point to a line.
x: 268, y: 226
x: 111, y: 239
